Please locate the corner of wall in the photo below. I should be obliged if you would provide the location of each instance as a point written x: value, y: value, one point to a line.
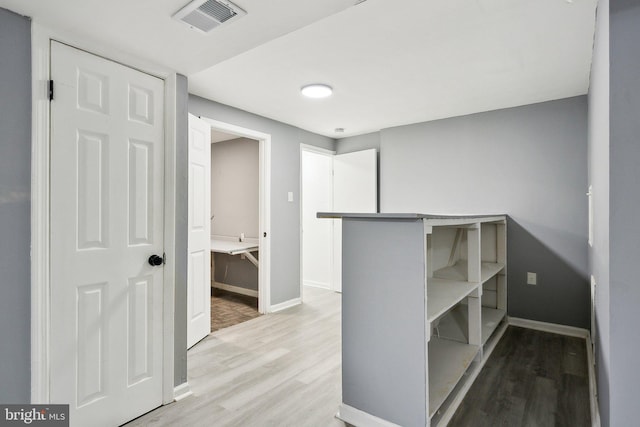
x: 181, y: 158
x: 15, y: 207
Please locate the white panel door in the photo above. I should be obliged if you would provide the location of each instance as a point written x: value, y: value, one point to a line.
x: 317, y: 234
x: 199, y: 238
x: 107, y: 174
x: 355, y: 189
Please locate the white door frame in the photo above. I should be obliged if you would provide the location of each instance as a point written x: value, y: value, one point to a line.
x: 264, y: 228
x: 41, y: 37
x: 325, y: 152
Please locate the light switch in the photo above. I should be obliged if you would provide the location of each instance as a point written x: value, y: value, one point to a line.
x: 532, y: 278
x: 290, y: 196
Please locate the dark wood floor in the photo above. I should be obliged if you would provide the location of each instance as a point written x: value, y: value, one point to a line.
x: 229, y: 308
x: 532, y: 378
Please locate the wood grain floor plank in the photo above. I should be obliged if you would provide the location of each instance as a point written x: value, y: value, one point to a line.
x: 284, y: 369
x: 532, y: 378
x: 280, y: 369
x: 573, y: 408
x: 541, y: 405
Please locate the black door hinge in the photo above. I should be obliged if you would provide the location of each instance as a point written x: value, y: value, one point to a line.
x: 50, y: 90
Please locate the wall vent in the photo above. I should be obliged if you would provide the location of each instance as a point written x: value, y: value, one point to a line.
x: 205, y: 15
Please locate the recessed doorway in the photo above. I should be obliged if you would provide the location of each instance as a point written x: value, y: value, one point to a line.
x: 331, y: 182
x: 230, y: 195
x: 234, y: 218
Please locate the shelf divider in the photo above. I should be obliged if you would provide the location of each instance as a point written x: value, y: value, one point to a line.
x: 452, y: 326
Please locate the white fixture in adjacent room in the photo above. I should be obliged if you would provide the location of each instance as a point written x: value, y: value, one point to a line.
x: 316, y: 90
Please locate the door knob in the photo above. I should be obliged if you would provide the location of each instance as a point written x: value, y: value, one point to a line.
x: 156, y: 260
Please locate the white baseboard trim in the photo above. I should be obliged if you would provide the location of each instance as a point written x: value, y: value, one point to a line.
x: 316, y: 284
x: 182, y: 391
x: 359, y: 418
x: 570, y: 331
x: 285, y: 305
x: 234, y: 289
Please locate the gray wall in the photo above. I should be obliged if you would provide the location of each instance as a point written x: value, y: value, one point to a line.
x: 599, y: 180
x: 624, y: 214
x: 15, y: 207
x: 182, y: 214
x: 285, y: 177
x: 358, y: 143
x: 528, y: 162
x: 235, y: 188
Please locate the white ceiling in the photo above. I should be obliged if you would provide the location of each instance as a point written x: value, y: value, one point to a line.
x: 217, y: 136
x: 145, y: 28
x: 390, y: 62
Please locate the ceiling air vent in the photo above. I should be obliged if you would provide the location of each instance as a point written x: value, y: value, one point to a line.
x: 208, y: 14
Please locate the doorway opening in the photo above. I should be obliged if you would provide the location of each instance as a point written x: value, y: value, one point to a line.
x: 317, y: 235
x: 229, y: 190
x: 331, y: 182
x: 234, y: 217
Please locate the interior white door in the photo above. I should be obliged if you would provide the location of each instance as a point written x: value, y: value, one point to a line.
x: 317, y: 234
x: 355, y: 189
x: 199, y: 238
x: 107, y: 220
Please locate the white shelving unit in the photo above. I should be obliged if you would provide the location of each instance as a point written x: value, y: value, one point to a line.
x: 449, y: 360
x: 452, y: 325
x: 442, y: 295
x: 424, y: 296
x: 455, y: 308
x: 459, y: 271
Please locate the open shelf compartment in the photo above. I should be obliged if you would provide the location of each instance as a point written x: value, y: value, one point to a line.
x: 458, y: 271
x: 444, y: 294
x: 448, y: 361
x: 453, y: 325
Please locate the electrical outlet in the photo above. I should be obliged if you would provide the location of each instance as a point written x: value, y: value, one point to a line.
x: 290, y: 196
x: 242, y: 237
x: 532, y: 278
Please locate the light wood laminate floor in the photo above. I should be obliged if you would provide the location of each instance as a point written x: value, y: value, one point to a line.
x: 283, y: 369
x: 280, y: 369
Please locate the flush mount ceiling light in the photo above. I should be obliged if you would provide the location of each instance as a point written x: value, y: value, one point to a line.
x: 316, y: 90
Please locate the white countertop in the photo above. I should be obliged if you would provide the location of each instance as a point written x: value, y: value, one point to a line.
x: 431, y: 219
x: 231, y: 247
